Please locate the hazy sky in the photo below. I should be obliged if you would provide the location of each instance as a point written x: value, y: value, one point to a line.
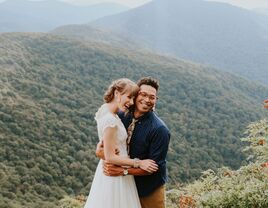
x: 129, y: 3
x: 249, y: 4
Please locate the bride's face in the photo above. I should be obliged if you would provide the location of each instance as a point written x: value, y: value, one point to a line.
x: 125, y: 100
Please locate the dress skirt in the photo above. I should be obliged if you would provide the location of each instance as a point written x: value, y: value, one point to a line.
x: 112, y: 191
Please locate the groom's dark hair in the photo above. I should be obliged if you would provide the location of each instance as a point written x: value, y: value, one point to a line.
x: 148, y: 81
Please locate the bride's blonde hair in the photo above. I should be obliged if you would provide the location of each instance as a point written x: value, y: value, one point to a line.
x: 121, y: 85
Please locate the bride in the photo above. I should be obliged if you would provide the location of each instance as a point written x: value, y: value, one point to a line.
x: 108, y: 191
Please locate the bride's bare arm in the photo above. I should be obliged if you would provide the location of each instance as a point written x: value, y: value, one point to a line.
x: 109, y: 142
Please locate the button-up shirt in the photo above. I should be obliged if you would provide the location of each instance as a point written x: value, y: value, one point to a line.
x: 150, y: 140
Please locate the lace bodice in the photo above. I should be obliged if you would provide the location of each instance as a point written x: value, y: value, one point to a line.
x: 106, y: 119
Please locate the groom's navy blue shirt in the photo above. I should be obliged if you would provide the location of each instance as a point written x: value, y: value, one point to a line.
x: 150, y: 140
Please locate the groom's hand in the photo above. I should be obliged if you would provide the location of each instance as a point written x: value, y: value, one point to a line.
x: 99, y: 150
x: 112, y: 170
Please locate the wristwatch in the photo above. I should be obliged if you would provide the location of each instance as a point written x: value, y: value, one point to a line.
x: 125, y: 171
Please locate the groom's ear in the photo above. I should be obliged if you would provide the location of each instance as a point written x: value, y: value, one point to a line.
x: 153, y: 109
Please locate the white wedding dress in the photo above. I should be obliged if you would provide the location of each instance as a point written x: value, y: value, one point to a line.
x: 110, y: 191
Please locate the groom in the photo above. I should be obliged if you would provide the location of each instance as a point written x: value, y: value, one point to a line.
x: 148, y: 139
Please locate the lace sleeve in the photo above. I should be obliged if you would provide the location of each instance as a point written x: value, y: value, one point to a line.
x: 106, y: 121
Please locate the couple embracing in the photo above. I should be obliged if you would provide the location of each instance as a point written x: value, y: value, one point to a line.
x: 135, y: 177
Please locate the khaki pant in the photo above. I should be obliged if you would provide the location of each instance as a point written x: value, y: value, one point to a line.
x: 155, y: 199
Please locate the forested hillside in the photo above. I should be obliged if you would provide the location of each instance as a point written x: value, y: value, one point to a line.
x: 50, y: 88
x: 242, y: 188
x: 94, y: 34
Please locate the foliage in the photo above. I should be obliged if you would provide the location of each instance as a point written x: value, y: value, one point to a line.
x: 69, y: 202
x: 50, y: 88
x: 258, y: 138
x: 246, y: 187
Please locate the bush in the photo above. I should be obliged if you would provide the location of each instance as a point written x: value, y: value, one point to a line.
x: 246, y: 187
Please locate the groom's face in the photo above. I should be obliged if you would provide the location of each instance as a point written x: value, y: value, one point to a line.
x: 146, y: 99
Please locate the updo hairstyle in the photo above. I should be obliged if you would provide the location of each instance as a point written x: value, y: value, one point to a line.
x: 121, y: 85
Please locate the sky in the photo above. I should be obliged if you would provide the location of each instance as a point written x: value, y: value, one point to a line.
x: 128, y: 3
x: 248, y: 4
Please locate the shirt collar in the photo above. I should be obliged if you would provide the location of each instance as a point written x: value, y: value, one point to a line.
x: 144, y: 116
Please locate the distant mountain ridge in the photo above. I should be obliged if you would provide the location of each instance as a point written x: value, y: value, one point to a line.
x: 42, y: 16
x: 227, y: 37
x: 93, y: 34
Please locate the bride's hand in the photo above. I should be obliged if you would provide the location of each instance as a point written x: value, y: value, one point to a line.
x: 148, y: 165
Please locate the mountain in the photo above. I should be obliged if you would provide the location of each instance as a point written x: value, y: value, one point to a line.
x: 221, y: 35
x: 42, y: 16
x: 263, y: 11
x: 262, y: 18
x: 94, y: 34
x: 51, y: 87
